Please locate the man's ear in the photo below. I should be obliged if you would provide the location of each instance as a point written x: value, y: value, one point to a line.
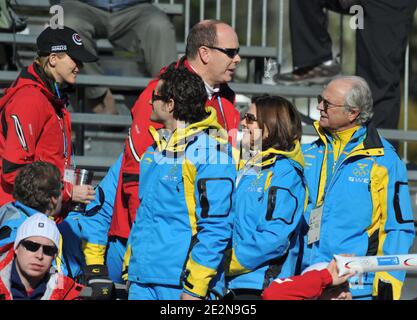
x: 353, y: 114
x: 170, y: 105
x: 52, y: 60
x: 204, y: 54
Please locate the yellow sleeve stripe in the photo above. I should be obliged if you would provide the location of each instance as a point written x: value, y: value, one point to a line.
x: 376, y: 174
x: 235, y: 268
x: 386, y: 277
x: 199, y: 278
x: 93, y: 253
x: 60, y: 253
x: 189, y: 173
x: 126, y: 261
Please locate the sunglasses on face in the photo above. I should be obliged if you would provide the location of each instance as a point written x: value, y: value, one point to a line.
x: 230, y: 52
x: 156, y: 97
x: 249, y: 117
x: 327, y: 104
x: 34, y: 247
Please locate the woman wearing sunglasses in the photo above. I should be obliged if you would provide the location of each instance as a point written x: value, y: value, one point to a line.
x: 270, y: 198
x: 25, y: 266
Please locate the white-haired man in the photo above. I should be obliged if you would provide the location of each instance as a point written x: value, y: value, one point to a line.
x: 359, y: 196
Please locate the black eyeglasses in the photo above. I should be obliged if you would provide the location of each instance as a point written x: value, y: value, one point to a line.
x: 34, y: 247
x: 156, y: 97
x: 249, y: 117
x: 327, y: 104
x: 230, y: 52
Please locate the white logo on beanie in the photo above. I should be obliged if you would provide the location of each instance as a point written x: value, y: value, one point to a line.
x: 77, y: 39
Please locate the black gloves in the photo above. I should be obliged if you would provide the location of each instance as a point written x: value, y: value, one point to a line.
x: 96, y: 277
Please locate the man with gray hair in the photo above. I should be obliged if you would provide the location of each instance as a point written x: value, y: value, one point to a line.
x: 358, y: 191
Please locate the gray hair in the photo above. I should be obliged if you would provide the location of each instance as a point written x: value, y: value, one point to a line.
x: 359, y: 97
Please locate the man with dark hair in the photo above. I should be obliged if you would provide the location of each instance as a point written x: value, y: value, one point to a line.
x: 213, y: 54
x: 37, y: 189
x: 184, y: 222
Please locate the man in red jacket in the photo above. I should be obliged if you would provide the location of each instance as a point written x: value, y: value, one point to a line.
x: 213, y: 53
x: 319, y: 281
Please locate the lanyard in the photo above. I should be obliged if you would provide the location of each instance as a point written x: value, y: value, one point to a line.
x: 63, y: 128
x: 221, y: 110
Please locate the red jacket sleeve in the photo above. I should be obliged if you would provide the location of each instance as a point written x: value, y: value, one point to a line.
x: 307, y: 286
x: 24, y: 126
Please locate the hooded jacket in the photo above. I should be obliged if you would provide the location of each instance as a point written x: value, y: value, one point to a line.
x: 365, y: 202
x: 270, y: 201
x: 58, y: 287
x: 184, y: 222
x: 34, y: 126
x: 139, y: 139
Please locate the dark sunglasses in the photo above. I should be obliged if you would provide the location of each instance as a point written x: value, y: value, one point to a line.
x: 327, y: 104
x: 249, y: 117
x: 230, y: 52
x: 34, y: 247
x: 156, y: 97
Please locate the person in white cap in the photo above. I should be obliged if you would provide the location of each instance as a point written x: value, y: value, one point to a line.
x: 25, y: 266
x: 319, y: 281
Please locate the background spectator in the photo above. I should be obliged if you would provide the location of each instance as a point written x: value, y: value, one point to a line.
x: 380, y: 49
x: 133, y: 25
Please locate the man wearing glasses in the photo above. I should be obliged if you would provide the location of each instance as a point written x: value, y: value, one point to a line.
x: 25, y: 265
x: 358, y: 190
x: 212, y: 52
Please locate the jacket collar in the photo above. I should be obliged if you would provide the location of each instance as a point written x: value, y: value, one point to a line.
x: 366, y: 140
x: 182, y: 136
x: 268, y: 157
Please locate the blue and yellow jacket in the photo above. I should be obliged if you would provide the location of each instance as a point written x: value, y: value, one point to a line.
x: 85, y: 233
x: 270, y: 201
x: 184, y: 222
x: 366, y: 208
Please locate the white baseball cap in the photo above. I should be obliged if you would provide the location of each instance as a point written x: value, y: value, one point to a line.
x: 38, y: 225
x: 317, y: 266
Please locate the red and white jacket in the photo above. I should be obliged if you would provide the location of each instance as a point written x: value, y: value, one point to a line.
x: 310, y: 285
x: 34, y: 126
x: 139, y: 139
x: 59, y: 287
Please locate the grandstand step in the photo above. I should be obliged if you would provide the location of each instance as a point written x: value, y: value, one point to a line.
x: 121, y: 82
x: 105, y: 45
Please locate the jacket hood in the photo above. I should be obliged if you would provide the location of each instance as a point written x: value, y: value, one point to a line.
x: 371, y: 143
x: 295, y: 156
x: 181, y: 136
x: 33, y: 76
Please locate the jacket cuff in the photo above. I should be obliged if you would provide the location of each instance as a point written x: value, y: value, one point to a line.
x: 93, y: 253
x: 198, y: 278
x: 326, y: 278
x: 234, y: 267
